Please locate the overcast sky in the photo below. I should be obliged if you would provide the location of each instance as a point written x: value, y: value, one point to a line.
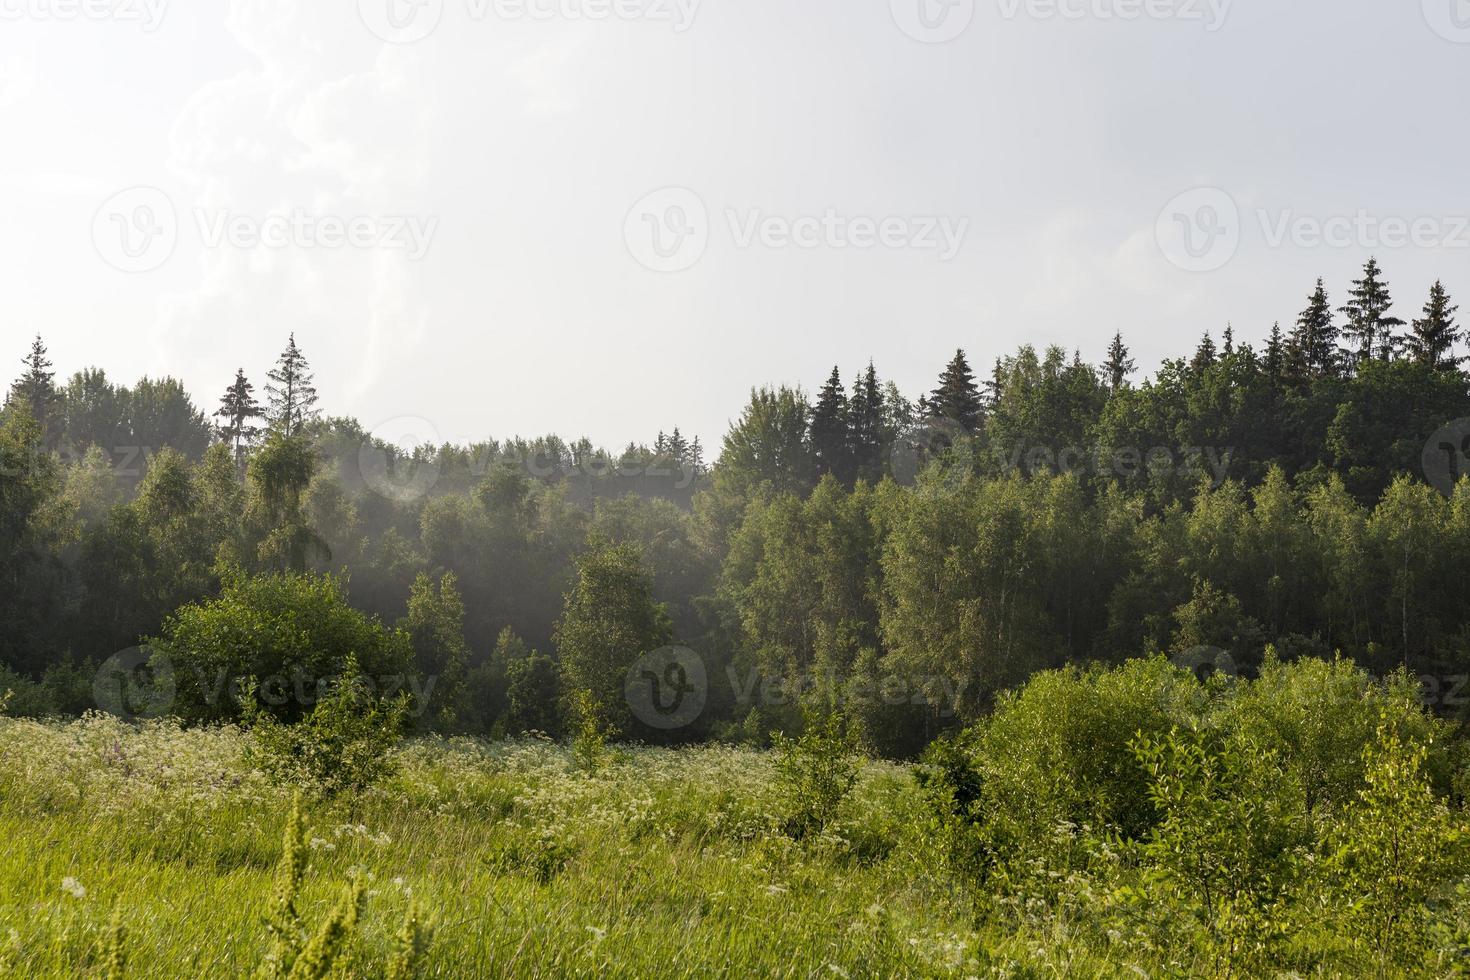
x: 609, y: 217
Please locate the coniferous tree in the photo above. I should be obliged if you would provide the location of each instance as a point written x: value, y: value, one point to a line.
x: 1204, y: 355
x: 1118, y: 366
x: 36, y: 388
x: 1229, y: 342
x: 831, y: 443
x: 237, y: 408
x: 1315, y: 338
x: 1433, y: 339
x: 1276, y: 352
x: 676, y: 446
x: 957, y: 398
x: 1370, y: 330
x: 291, y: 392
x: 865, y: 411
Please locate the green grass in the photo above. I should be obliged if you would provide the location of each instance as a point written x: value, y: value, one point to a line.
x: 661, y: 864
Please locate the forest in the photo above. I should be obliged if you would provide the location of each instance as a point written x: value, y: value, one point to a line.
x: 903, y: 559
x: 1052, y: 671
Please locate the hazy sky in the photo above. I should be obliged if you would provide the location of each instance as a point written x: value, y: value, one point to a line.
x: 607, y: 217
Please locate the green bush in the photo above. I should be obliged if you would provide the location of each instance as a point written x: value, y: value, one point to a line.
x: 342, y: 745
x: 815, y: 773
x: 291, y: 632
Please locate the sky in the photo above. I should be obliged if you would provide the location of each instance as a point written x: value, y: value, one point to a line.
x: 484, y: 218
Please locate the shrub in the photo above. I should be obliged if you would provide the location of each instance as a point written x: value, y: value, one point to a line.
x: 815, y: 773
x: 1392, y: 854
x: 1057, y: 752
x: 342, y: 745
x: 1229, y: 841
x: 291, y: 632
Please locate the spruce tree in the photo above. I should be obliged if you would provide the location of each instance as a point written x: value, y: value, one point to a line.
x: 237, y: 408
x: 1433, y: 339
x: 291, y: 392
x: 1117, y: 368
x: 1315, y: 337
x: 1275, y: 360
x: 1204, y: 355
x: 865, y: 410
x: 831, y: 442
x: 36, y: 388
x: 677, y: 447
x: 1370, y: 330
x: 957, y: 398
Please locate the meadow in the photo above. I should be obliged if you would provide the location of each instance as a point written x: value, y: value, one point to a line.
x: 1306, y: 824
x: 660, y: 863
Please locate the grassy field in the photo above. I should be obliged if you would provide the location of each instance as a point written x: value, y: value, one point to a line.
x: 1316, y: 846
x: 659, y: 864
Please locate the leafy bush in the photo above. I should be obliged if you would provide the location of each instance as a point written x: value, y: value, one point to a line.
x: 342, y: 745
x: 815, y: 773
x: 1389, y: 858
x: 291, y: 632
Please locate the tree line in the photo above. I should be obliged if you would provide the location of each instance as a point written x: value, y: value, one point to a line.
x: 852, y: 542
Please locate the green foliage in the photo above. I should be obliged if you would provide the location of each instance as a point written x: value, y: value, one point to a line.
x: 1392, y: 855
x: 300, y: 953
x: 589, y: 741
x: 289, y: 631
x: 342, y: 745
x: 435, y: 628
x: 533, y: 696
x: 816, y: 772
x: 1226, y: 846
x: 610, y: 620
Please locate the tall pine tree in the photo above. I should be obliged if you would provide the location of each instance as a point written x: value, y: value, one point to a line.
x: 1433, y: 339
x: 1314, y: 341
x: 1274, y: 362
x: 1369, y: 329
x: 1204, y: 355
x: 865, y: 410
x: 831, y: 442
x: 237, y: 408
x: 957, y: 398
x: 36, y: 389
x: 1119, y: 364
x: 291, y: 392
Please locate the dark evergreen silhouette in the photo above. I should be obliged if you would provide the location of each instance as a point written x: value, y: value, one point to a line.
x: 1433, y: 338
x: 1370, y: 331
x: 957, y: 398
x: 237, y: 409
x: 1119, y: 364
